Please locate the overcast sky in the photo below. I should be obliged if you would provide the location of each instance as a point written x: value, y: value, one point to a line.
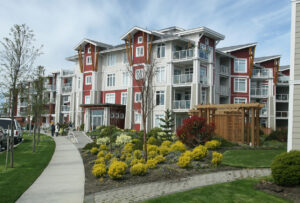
x: 60, y: 25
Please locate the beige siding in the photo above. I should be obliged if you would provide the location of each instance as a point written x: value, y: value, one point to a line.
x: 297, y: 47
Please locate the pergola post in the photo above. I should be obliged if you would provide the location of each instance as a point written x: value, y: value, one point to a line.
x: 257, y: 127
x: 253, y: 126
x: 248, y: 126
x: 243, y: 125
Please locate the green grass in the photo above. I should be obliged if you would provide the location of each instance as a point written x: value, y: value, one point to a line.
x: 237, y: 191
x: 27, y: 167
x: 250, y: 158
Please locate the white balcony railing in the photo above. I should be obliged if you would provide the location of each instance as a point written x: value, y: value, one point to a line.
x: 282, y: 114
x: 282, y: 97
x: 259, y: 92
x: 181, y: 104
x: 261, y: 73
x: 283, y: 80
x: 67, y: 88
x: 182, y: 79
x: 183, y: 54
x: 203, y: 80
x: 67, y: 72
x: 65, y: 108
x: 224, y: 90
x: 224, y: 70
x: 49, y: 87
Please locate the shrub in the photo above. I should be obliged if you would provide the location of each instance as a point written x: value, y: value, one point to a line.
x: 136, y: 161
x: 286, y: 168
x: 184, y: 161
x: 214, y: 144
x: 94, y: 150
x: 195, y: 131
x: 138, y: 144
x: 101, y: 154
x: 166, y: 143
x: 216, y: 159
x: 108, y: 156
x: 152, y: 154
x: 154, y: 132
x: 199, y: 152
x: 153, y: 141
x: 137, y: 154
x: 103, y: 140
x: 188, y: 153
x: 164, y: 150
x: 151, y: 148
x: 117, y: 169
x: 99, y: 170
x: 100, y: 160
x: 123, y: 139
x: 160, y: 158
x: 151, y: 163
x: 90, y: 146
x: 279, y: 135
x: 128, y: 148
x: 103, y: 147
x: 178, y: 146
x: 82, y: 127
x: 138, y: 169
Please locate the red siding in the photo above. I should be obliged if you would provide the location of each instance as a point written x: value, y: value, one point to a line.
x: 239, y: 94
x: 243, y: 53
x: 286, y: 72
x: 141, y: 59
x: 86, y: 87
x: 118, y: 94
x: 86, y: 54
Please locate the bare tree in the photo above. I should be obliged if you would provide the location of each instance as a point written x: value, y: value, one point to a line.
x: 144, y: 84
x: 16, y: 58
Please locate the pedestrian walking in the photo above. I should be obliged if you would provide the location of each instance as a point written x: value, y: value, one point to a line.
x: 52, y: 129
x: 56, y: 129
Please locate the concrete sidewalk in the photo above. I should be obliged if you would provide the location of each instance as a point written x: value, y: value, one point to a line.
x: 62, y: 180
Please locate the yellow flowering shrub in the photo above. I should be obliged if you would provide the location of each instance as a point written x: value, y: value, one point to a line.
x: 178, y: 146
x: 199, y: 152
x: 166, y: 143
x: 188, y: 153
x: 101, y: 154
x: 137, y: 154
x: 103, y: 147
x: 128, y: 147
x: 100, y: 160
x: 136, y: 161
x: 152, y: 141
x: 117, y: 169
x: 99, y: 170
x: 184, y: 161
x: 164, y: 150
x: 113, y: 160
x: 214, y: 144
x: 151, y: 163
x: 108, y: 156
x: 94, y: 150
x: 138, y: 169
x: 216, y: 159
x: 152, y: 154
x: 151, y: 148
x: 160, y: 158
x: 128, y: 158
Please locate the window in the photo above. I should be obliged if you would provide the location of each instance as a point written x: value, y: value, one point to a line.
x: 137, y: 117
x: 138, y: 97
x: 111, y: 80
x: 65, y: 99
x: 111, y: 59
x: 203, y: 95
x: 160, y: 97
x: 139, y: 74
x: 240, y: 100
x: 88, y: 79
x: 122, y: 116
x: 139, y: 51
x: 89, y: 50
x: 110, y: 98
x: 240, y: 65
x: 125, y: 78
x: 140, y: 40
x: 88, y: 60
x: 157, y: 121
x: 161, y: 51
x: 160, y: 74
x: 79, y: 82
x: 240, y: 84
x: 112, y: 115
x: 124, y: 98
x: 87, y: 99
x: 125, y: 58
x: 206, y: 41
x: 116, y: 115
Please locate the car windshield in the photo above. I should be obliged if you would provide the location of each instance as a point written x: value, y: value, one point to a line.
x: 5, y: 123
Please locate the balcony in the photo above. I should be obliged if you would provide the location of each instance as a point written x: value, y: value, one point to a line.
x: 282, y: 97
x: 283, y: 80
x: 49, y: 87
x: 182, y: 79
x: 183, y: 54
x: 263, y: 112
x: 203, y: 80
x: 259, y: 92
x: 203, y: 53
x: 282, y: 114
x: 65, y: 108
x: 261, y: 73
x: 181, y: 104
x: 224, y: 91
x: 67, y: 72
x: 224, y: 70
x: 67, y: 88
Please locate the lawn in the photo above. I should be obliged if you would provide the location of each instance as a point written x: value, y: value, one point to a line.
x: 27, y: 167
x: 237, y: 191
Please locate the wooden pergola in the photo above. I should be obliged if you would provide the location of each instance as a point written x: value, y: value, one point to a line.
x: 233, y: 121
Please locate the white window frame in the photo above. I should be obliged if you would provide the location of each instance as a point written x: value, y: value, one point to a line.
x: 87, y: 99
x: 139, y: 74
x: 161, y: 95
x: 236, y: 87
x: 137, y: 117
x: 88, y: 79
x: 111, y: 59
x: 139, y: 51
x: 239, y: 99
x: 111, y: 80
x: 236, y: 68
x: 89, y: 50
x: 125, y: 79
x: 88, y: 60
x: 140, y: 40
x: 124, y: 98
x: 160, y: 74
x: 157, y: 121
x: 137, y: 97
x: 110, y: 98
x: 159, y: 51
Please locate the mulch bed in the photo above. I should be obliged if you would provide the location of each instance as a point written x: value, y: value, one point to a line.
x: 289, y: 193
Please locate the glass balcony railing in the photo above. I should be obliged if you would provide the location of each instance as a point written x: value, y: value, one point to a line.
x: 259, y: 92
x: 67, y: 72
x: 283, y: 80
x: 224, y: 70
x: 261, y: 73
x: 65, y: 108
x: 183, y: 54
x: 224, y: 90
x: 203, y: 53
x: 49, y: 87
x: 181, y: 104
x: 282, y: 114
x: 263, y: 112
x: 203, y: 80
x: 67, y: 88
x: 282, y: 97
x: 182, y: 79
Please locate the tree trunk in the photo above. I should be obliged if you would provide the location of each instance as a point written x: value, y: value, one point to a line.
x: 34, y: 133
x: 39, y: 131
x: 7, y: 149
x: 110, y: 141
x: 12, y: 128
x: 145, y: 138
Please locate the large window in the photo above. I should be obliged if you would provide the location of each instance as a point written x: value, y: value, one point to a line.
x: 110, y: 98
x: 160, y: 74
x: 88, y: 60
x: 111, y: 80
x: 160, y: 97
x: 125, y: 58
x: 139, y: 51
x: 111, y: 59
x: 87, y: 99
x: 157, y: 121
x: 137, y: 117
x: 88, y: 80
x: 139, y: 74
x: 240, y: 84
x: 240, y: 100
x: 161, y: 51
x: 138, y: 97
x: 125, y: 78
x: 240, y: 65
x: 124, y: 98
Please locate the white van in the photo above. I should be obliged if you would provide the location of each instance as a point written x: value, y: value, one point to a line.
x: 18, y: 133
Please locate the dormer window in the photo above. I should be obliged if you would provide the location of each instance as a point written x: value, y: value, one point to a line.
x: 140, y: 40
x: 89, y: 50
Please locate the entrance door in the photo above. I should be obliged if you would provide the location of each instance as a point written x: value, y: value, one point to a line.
x: 96, y: 118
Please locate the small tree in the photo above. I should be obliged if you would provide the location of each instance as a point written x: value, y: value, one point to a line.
x: 167, y: 124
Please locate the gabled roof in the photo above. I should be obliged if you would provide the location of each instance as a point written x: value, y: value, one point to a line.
x: 265, y: 58
x: 179, y: 29
x: 283, y: 68
x: 236, y: 47
x: 135, y: 29
x: 93, y: 42
x: 211, y: 33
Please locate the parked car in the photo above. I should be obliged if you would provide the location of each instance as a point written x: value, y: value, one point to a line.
x: 18, y: 133
x: 3, y: 139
